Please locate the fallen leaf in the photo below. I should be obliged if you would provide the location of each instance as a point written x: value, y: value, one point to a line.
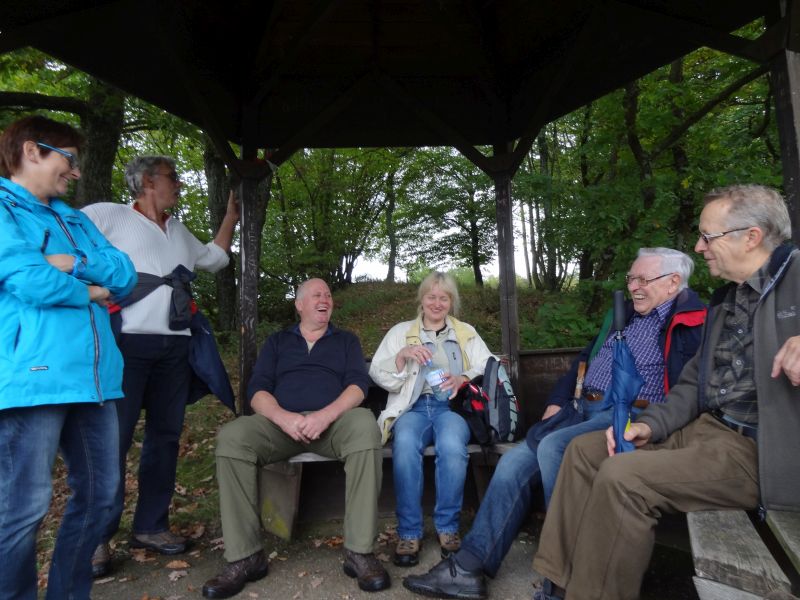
x: 197, y: 531
x: 302, y: 573
x: 177, y: 564
x: 175, y: 575
x: 316, y: 582
x: 382, y: 556
x: 140, y: 555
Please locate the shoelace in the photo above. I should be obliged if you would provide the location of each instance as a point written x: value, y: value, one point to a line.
x: 406, y: 546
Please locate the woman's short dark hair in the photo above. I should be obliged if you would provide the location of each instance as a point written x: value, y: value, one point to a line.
x: 35, y: 128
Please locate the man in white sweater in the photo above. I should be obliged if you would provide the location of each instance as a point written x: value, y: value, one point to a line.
x: 157, y: 374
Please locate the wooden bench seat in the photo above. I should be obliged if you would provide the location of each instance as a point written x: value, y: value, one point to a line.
x: 736, y: 560
x: 279, y: 483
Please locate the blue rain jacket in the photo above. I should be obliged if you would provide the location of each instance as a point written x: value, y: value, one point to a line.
x: 56, y: 347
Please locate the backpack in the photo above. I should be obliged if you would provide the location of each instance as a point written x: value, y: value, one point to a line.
x: 472, y: 403
x: 489, y: 406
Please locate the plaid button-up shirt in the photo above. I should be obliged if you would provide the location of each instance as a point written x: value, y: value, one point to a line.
x: 642, y: 335
x: 731, y: 385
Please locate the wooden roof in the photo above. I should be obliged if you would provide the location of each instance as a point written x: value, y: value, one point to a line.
x: 293, y: 73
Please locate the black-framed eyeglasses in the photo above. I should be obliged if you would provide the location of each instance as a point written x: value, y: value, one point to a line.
x: 172, y: 176
x: 707, y: 237
x: 71, y: 158
x: 642, y: 281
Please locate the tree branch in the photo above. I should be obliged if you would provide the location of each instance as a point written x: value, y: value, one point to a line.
x: 726, y: 93
x: 32, y: 100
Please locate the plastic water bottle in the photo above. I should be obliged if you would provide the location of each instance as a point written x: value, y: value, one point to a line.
x: 435, y: 378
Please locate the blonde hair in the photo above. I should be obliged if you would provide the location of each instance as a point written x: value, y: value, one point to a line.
x: 446, y: 283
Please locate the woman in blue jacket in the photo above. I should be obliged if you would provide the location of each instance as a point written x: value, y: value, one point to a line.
x: 59, y: 365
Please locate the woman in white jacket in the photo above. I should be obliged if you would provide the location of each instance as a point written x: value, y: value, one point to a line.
x: 416, y: 418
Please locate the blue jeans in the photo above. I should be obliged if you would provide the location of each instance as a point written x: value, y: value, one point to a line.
x: 87, y: 436
x: 429, y: 421
x: 552, y: 447
x: 156, y: 379
x: 503, y: 509
x: 507, y: 501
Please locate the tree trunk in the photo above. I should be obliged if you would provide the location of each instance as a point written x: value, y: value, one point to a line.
x: 680, y: 161
x: 391, y: 232
x: 224, y: 280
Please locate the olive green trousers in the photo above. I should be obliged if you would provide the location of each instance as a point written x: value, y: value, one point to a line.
x: 248, y: 443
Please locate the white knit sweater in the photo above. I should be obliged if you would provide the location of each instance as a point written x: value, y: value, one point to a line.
x: 154, y: 251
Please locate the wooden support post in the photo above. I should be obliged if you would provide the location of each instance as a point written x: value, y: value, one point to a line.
x: 786, y: 81
x: 248, y: 288
x: 509, y: 317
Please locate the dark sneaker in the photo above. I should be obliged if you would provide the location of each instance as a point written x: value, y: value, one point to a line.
x: 406, y: 553
x: 164, y: 542
x: 101, y: 560
x: 235, y: 574
x: 450, y: 543
x: 448, y: 580
x: 368, y: 570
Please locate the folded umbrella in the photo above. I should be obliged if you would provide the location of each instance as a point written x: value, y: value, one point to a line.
x: 625, y: 379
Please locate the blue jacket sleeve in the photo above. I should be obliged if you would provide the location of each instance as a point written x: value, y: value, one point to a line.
x: 26, y: 274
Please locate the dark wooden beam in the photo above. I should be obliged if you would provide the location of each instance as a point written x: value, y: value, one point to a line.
x: 343, y: 100
x: 319, y: 12
x: 576, y: 49
x: 173, y: 52
x: 758, y: 50
x: 785, y: 69
x: 438, y: 124
x: 509, y: 313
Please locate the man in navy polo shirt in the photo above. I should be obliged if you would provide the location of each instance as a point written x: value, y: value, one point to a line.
x: 305, y: 391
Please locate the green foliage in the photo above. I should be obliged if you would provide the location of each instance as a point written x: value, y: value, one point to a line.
x: 561, y: 322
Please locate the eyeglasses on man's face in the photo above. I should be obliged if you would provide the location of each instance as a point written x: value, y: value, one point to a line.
x: 707, y: 237
x: 71, y: 158
x: 643, y: 281
x: 172, y: 176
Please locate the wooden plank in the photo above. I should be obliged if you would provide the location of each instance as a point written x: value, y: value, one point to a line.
x: 786, y: 527
x: 387, y: 453
x: 713, y: 590
x: 279, y: 497
x: 727, y: 548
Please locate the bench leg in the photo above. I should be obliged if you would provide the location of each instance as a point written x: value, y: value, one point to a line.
x: 482, y: 469
x: 279, y: 495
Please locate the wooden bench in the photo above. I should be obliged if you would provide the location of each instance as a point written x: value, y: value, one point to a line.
x: 738, y: 558
x: 279, y: 483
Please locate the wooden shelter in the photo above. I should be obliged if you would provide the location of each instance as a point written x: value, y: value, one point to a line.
x: 482, y: 76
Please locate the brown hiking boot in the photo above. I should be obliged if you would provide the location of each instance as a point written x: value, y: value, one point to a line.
x: 450, y: 543
x: 369, y: 571
x: 101, y: 560
x: 235, y: 574
x: 406, y: 553
x: 164, y: 542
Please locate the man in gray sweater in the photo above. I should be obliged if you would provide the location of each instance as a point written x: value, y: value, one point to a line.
x: 727, y: 434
